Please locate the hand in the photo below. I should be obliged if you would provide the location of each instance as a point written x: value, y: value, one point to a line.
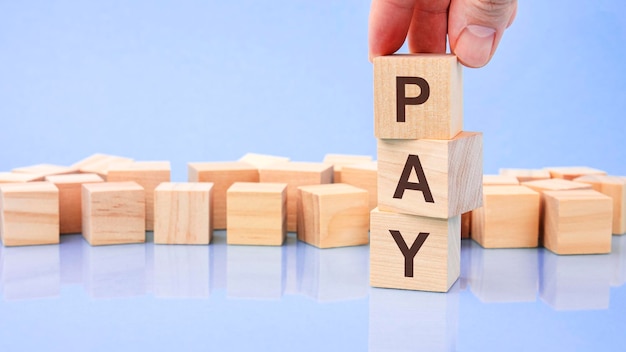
x: 474, y: 27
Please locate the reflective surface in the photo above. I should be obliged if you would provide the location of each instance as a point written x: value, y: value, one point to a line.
x: 297, y: 297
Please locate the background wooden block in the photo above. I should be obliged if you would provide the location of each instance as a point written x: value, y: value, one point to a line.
x: 435, y: 266
x: 466, y: 224
x: 70, y: 209
x: 435, y: 112
x: 15, y: 177
x: 113, y: 213
x: 29, y: 213
x: 182, y: 213
x: 261, y: 160
x: 43, y: 170
x: 296, y: 174
x: 614, y: 187
x: 148, y: 174
x: 100, y: 163
x: 222, y: 175
x: 577, y: 222
x: 509, y: 218
x: 524, y: 175
x: 500, y: 180
x: 365, y: 176
x: 340, y: 160
x: 572, y: 172
x: 452, y: 169
x: 333, y: 215
x: 256, y: 213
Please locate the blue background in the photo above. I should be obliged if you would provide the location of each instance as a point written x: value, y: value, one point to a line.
x: 204, y: 80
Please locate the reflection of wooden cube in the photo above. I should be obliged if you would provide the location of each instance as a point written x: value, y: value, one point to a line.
x: 572, y: 172
x: 70, y: 209
x: 182, y: 213
x: 524, y: 175
x: 222, y: 175
x: 148, y: 174
x: 414, y: 252
x: 364, y: 176
x: 614, y: 187
x: 29, y: 213
x: 113, y: 213
x: 256, y: 213
x: 577, y: 222
x: 333, y: 215
x: 340, y: 160
x: 509, y: 218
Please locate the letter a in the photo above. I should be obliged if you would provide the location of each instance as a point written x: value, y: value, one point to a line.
x: 409, y: 253
x: 413, y: 163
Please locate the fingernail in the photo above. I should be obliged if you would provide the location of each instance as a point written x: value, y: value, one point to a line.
x: 475, y: 44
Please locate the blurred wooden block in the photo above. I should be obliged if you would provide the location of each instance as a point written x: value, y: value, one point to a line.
x: 148, y: 174
x: 614, y: 187
x: 40, y: 171
x: 222, y: 175
x: 29, y: 213
x: 365, y: 176
x: 572, y: 172
x: 500, y: 180
x: 256, y: 213
x: 333, y: 215
x: 509, y: 218
x: 70, y: 208
x: 466, y: 224
x: 14, y: 177
x: 418, y: 96
x: 100, y: 163
x: 261, y: 160
x: 524, y: 175
x: 340, y: 160
x: 296, y: 174
x: 428, y: 177
x: 414, y: 252
x: 577, y: 222
x: 113, y: 213
x: 182, y: 213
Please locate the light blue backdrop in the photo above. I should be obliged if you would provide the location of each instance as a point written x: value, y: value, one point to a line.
x: 208, y: 80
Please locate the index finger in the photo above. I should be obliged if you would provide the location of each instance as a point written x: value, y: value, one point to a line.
x: 389, y: 24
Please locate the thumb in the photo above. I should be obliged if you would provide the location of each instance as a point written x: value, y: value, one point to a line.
x: 476, y: 26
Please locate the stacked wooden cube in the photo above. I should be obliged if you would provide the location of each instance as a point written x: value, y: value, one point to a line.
x: 429, y: 172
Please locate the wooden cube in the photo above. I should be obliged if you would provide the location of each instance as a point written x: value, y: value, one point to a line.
x: 29, y: 213
x: 260, y: 160
x: 70, y: 208
x: 414, y: 252
x: 428, y: 177
x: 15, y: 177
x: 100, y: 163
x: 222, y: 175
x: 466, y: 224
x: 418, y: 96
x: 364, y: 175
x: 614, y: 187
x: 40, y: 171
x: 340, y: 160
x: 577, y: 222
x: 524, y: 175
x: 296, y: 174
x: 333, y: 215
x: 148, y: 174
x: 182, y: 213
x: 113, y: 213
x: 256, y: 213
x: 500, y: 180
x: 572, y: 172
x: 509, y: 218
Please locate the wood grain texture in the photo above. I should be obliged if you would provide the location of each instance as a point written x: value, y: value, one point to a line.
x: 340, y: 160
x: 578, y: 222
x: 222, y: 175
x: 439, y: 117
x: 509, y: 218
x: 436, y: 266
x: 29, y: 213
x: 257, y: 213
x: 365, y: 176
x: 14, y: 177
x: 148, y: 174
x: 100, y: 163
x: 524, y: 175
x: 43, y: 170
x: 70, y: 198
x: 572, y: 172
x: 296, y: 174
x: 113, y: 213
x: 261, y: 160
x: 333, y: 215
x: 182, y: 213
x: 614, y: 187
x: 452, y: 168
